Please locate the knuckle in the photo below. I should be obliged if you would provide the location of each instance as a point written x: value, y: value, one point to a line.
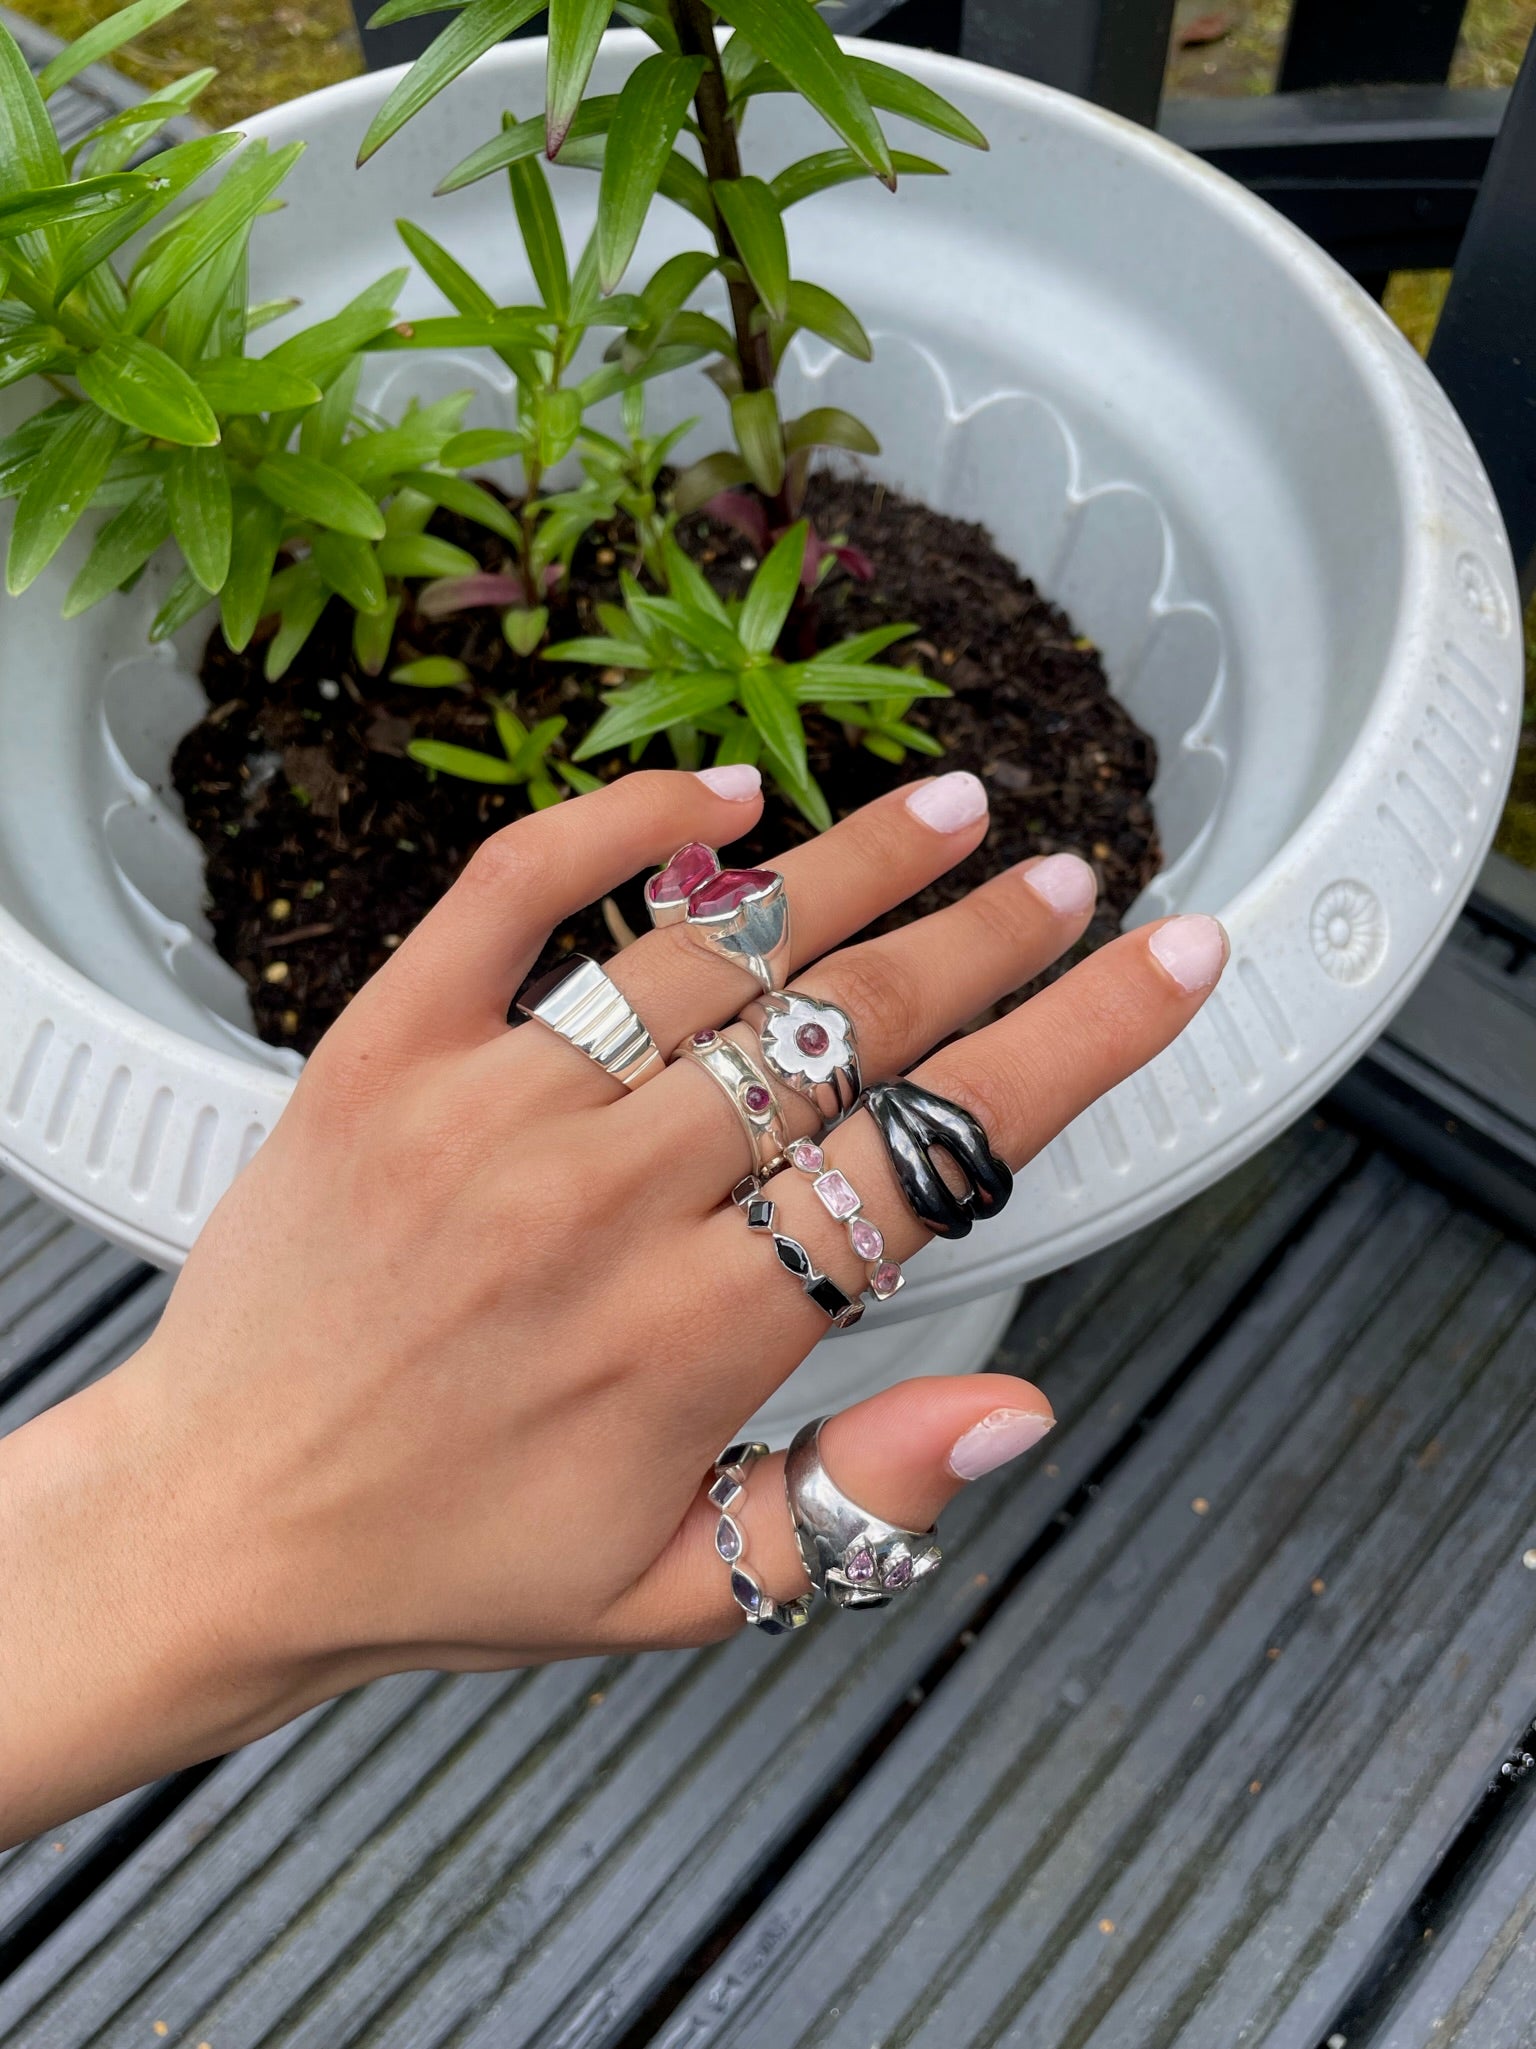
x: 890, y: 1012
x: 501, y: 865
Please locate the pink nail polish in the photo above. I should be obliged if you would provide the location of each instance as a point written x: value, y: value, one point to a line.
x: 737, y: 780
x: 949, y: 802
x: 1192, y: 950
x: 1005, y: 1434
x: 1065, y: 882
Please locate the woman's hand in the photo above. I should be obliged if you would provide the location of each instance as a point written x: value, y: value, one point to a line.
x: 442, y: 1380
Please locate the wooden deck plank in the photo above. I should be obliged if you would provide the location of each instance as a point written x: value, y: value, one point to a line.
x: 554, y: 1844
x: 55, y: 1278
x: 1204, y: 1758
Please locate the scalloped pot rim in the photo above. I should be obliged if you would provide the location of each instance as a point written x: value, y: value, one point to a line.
x: 1338, y: 869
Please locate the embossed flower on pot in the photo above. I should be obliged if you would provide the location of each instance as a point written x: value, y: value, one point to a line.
x: 807, y: 1041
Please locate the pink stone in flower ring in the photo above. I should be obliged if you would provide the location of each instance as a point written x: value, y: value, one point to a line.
x: 812, y: 1040
x: 885, y: 1280
x: 757, y: 1099
x: 836, y: 1194
x: 729, y: 890
x: 807, y: 1156
x: 688, y: 867
x: 865, y: 1239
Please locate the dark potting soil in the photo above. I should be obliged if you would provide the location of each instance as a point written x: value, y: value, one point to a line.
x: 325, y: 843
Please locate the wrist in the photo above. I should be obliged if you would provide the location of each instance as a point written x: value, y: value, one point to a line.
x: 134, y: 1609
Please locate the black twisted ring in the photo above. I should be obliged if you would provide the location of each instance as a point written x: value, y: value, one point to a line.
x: 915, y: 1124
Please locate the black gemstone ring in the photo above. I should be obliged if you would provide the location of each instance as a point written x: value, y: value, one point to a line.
x: 843, y: 1311
x: 915, y: 1124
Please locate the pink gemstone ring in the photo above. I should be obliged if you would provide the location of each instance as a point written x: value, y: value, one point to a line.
x: 856, y: 1559
x: 751, y: 1094
x: 812, y: 1046
x: 840, y: 1199
x: 668, y: 891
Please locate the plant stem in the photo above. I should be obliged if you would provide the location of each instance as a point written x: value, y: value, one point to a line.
x: 695, y: 25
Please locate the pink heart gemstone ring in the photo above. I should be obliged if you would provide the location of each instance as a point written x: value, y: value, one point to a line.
x: 742, y: 916
x: 668, y: 891
x: 812, y: 1046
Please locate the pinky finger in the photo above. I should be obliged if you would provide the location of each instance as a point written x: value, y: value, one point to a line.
x: 902, y: 1455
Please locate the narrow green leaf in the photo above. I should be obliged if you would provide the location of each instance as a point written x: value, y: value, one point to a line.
x: 185, y: 599
x: 431, y: 672
x: 466, y: 763
x: 602, y: 651
x: 739, y: 63
x: 575, y: 30
x: 705, y: 479
x: 759, y: 436
x: 469, y: 500
x: 804, y: 792
x: 830, y: 427
x: 372, y: 633
x: 314, y: 491
x: 204, y: 229
x: 55, y: 206
x: 322, y: 351
x: 674, y: 283
x: 698, y: 331
x: 481, y: 444
x: 686, y: 581
x: 839, y: 167
x: 772, y: 590
x: 539, y: 226
x: 140, y: 385
x: 424, y: 555
x: 251, y: 384
x: 375, y: 458
x: 750, y: 212
x: 266, y: 312
x: 120, y: 550
x: 464, y: 293
x: 647, y: 708
x: 25, y: 349
x: 827, y: 682
x: 523, y: 627
x: 640, y: 138
x: 351, y: 568
x: 888, y: 90
x: 305, y: 597
x: 175, y: 171
x: 258, y: 530
x: 117, y: 141
x: 101, y: 41
x: 520, y: 139
x: 197, y: 492
x: 460, y: 331
x: 694, y: 626
x: 324, y: 427
x: 772, y: 711
x: 740, y: 742
x: 559, y: 424
x: 60, y: 485
x: 652, y: 21
x: 578, y: 778
x: 479, y: 28
x: 29, y: 150
x: 793, y: 37
x: 409, y: 10
x: 863, y: 647
x: 819, y: 312
x: 22, y: 447
x: 208, y: 314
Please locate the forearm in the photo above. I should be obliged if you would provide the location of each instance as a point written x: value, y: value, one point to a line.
x: 131, y: 1638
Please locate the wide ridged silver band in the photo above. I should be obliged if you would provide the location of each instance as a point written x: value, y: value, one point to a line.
x: 590, y: 1010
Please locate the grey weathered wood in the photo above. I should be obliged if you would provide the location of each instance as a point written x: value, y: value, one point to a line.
x: 528, y: 1858
x: 55, y: 1277
x: 1476, y: 1988
x: 96, y: 93
x: 1239, y: 1737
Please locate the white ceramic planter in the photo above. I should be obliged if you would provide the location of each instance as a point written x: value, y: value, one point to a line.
x: 1168, y: 406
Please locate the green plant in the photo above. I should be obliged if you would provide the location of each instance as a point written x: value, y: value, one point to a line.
x: 706, y: 666
x: 693, y: 86
x: 136, y: 317
x: 525, y: 760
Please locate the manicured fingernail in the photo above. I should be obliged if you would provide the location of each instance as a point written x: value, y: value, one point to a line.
x: 1192, y: 950
x: 950, y: 801
x: 1065, y: 882
x: 1005, y: 1434
x: 737, y: 780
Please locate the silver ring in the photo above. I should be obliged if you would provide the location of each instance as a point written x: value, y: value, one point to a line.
x: 589, y: 1010
x: 741, y: 915
x: 853, y: 1557
x: 840, y: 1199
x: 749, y: 1090
x: 774, y: 1618
x: 810, y: 1045
x: 843, y: 1311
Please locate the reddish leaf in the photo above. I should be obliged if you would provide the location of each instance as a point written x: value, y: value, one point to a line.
x: 450, y: 594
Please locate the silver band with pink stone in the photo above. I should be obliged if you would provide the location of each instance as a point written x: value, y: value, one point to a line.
x: 839, y: 1199
x: 751, y: 1094
x: 810, y: 1045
